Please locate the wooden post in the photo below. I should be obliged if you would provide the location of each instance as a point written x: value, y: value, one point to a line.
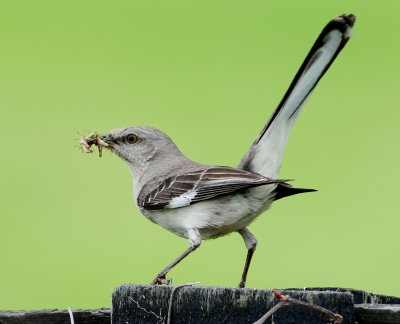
x: 153, y: 304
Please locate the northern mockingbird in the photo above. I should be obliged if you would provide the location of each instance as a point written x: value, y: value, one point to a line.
x: 198, y: 201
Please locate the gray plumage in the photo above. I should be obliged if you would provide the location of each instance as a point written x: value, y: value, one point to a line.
x: 198, y: 201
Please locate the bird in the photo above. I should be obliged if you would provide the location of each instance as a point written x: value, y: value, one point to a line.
x: 198, y: 201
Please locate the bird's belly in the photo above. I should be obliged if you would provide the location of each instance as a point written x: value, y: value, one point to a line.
x: 213, y: 218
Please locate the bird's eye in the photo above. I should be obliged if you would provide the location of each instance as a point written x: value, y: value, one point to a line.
x: 131, y: 138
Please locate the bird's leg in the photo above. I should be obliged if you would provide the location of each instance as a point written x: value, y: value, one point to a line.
x: 194, y: 242
x: 251, y: 244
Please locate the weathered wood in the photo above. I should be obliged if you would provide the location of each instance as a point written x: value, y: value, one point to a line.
x: 377, y: 313
x: 54, y: 316
x: 150, y: 304
x: 144, y: 304
x: 360, y: 296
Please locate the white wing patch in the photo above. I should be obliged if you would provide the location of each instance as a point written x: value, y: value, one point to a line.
x: 199, y: 185
x: 182, y: 200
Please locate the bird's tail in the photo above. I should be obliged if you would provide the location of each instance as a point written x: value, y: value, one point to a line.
x: 265, y: 155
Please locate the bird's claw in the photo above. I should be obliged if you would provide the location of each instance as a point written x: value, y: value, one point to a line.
x: 241, y: 284
x: 161, y: 280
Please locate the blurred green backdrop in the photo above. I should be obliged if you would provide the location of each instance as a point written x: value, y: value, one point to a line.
x: 69, y: 231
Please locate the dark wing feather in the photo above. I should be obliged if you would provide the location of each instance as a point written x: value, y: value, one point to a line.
x: 283, y: 190
x: 206, y: 183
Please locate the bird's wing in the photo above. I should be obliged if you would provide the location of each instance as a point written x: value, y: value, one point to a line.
x: 205, y: 183
x: 265, y: 155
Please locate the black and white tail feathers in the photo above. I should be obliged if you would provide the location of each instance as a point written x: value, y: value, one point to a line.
x: 265, y: 155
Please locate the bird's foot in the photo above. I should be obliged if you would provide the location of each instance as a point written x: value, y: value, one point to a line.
x: 161, y: 280
x: 242, y: 284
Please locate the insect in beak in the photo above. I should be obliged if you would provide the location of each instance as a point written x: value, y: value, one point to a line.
x: 87, y: 141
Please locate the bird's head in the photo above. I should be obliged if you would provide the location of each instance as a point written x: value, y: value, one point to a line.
x: 137, y: 145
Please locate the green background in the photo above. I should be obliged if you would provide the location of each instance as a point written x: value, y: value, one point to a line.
x: 208, y: 73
